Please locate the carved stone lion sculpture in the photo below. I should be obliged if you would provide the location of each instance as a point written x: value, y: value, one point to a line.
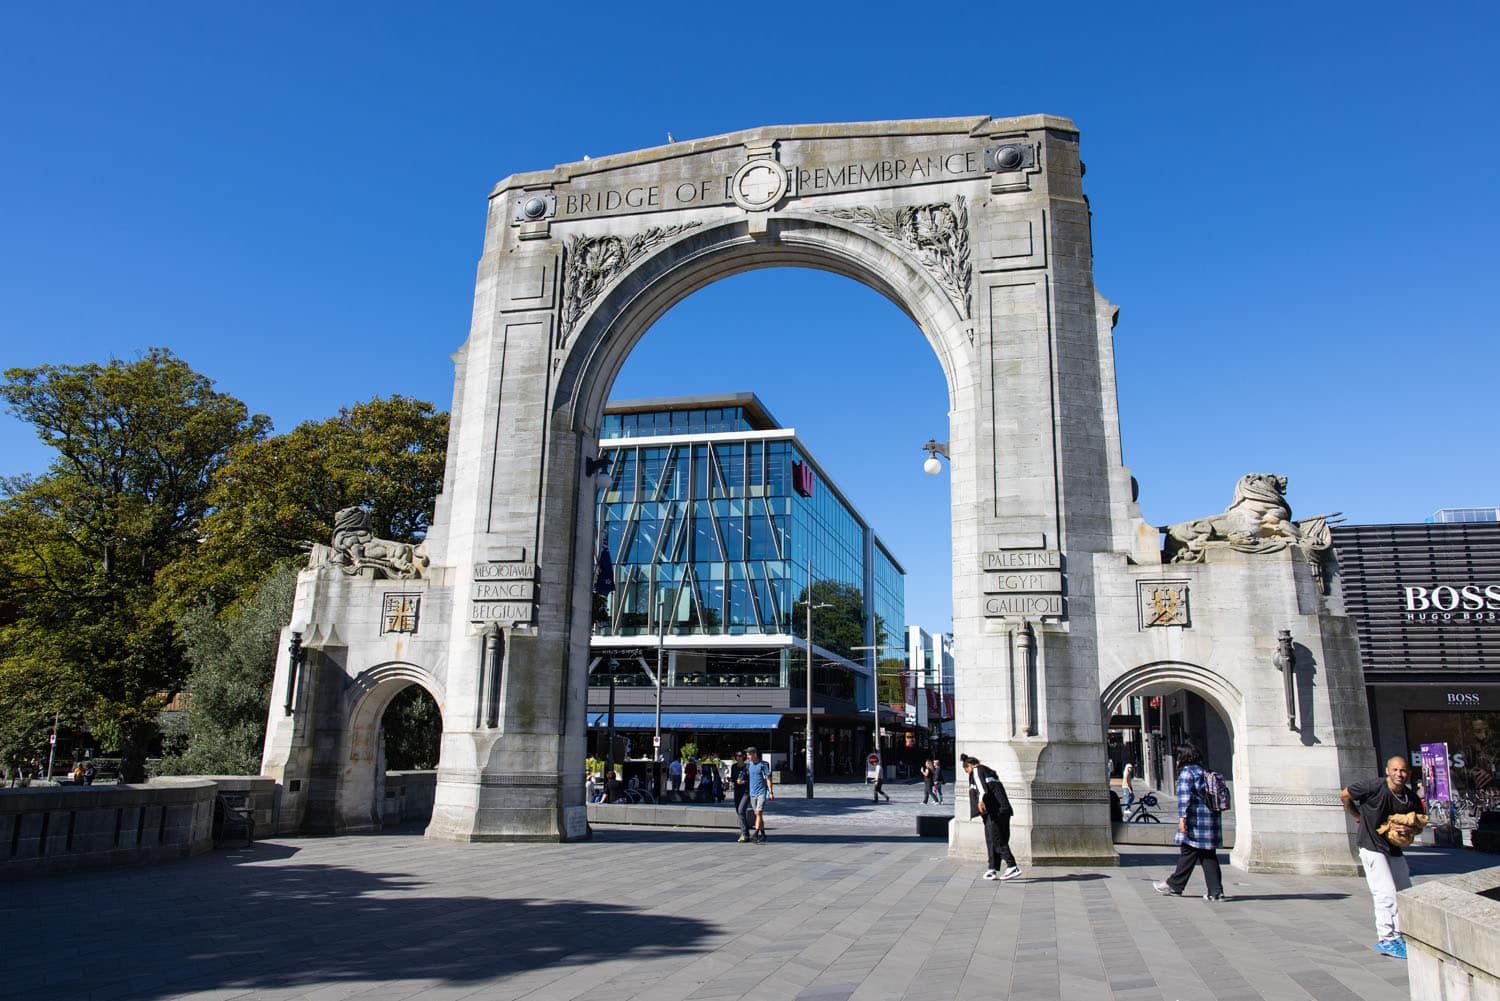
x: 357, y: 552
x: 1259, y: 520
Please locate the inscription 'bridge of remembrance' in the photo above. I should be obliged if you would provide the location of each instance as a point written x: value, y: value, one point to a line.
x: 1064, y: 599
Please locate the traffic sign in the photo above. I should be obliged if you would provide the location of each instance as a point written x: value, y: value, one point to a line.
x: 52, y: 738
x: 656, y: 740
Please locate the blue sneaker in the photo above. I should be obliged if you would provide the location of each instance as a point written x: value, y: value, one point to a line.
x: 1394, y: 947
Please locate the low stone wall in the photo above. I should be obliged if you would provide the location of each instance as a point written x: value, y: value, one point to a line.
x: 653, y: 815
x: 408, y: 796
x: 1452, y: 929
x: 259, y: 792
x: 56, y: 828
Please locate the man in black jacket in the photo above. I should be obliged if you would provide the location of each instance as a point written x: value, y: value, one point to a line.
x: 987, y: 799
x: 739, y: 777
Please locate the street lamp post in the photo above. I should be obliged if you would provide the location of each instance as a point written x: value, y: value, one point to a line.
x: 661, y: 633
x: 807, y: 735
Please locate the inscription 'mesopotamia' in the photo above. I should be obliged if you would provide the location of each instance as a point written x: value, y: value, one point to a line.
x: 504, y: 571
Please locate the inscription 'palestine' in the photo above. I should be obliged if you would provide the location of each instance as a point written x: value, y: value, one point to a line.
x: 804, y: 179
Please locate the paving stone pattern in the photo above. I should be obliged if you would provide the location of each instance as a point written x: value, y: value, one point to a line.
x: 817, y: 914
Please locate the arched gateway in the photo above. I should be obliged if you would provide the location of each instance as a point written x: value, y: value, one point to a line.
x: 978, y: 228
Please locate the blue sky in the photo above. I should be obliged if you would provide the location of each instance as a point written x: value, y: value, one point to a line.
x: 1294, y: 208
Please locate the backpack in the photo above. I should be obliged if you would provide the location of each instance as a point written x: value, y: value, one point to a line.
x: 1216, y: 792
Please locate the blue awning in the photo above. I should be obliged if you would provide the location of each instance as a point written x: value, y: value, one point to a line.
x: 687, y: 721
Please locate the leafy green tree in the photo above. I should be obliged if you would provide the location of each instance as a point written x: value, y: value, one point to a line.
x: 838, y: 628
x: 413, y: 728
x: 136, y: 445
x: 229, y: 689
x: 275, y: 495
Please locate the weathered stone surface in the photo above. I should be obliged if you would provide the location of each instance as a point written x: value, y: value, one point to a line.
x: 1452, y: 929
x: 978, y: 228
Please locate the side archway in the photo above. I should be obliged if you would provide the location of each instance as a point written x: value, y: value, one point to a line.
x: 1224, y: 698
x: 360, y: 790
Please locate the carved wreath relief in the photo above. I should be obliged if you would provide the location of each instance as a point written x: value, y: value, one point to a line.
x: 591, y: 263
x: 936, y: 232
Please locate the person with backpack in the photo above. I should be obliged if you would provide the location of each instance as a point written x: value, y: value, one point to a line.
x: 1201, y: 796
x: 987, y: 799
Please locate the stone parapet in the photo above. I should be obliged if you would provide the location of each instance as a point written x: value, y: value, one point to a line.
x: 259, y: 792
x: 652, y: 815
x: 59, y: 828
x: 1452, y: 929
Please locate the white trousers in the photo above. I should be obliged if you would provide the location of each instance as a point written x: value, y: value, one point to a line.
x: 1387, y: 875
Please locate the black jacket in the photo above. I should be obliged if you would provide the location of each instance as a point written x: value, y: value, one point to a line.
x: 983, y: 782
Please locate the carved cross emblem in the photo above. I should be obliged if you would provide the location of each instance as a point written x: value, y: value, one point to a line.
x: 1166, y: 605
x: 399, y: 614
x: 758, y: 184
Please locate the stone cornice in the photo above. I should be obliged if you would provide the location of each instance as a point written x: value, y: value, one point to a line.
x: 972, y: 126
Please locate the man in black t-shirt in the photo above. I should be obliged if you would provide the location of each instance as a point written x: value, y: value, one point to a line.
x: 1371, y: 802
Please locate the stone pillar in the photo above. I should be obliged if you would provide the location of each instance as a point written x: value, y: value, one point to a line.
x: 1041, y: 455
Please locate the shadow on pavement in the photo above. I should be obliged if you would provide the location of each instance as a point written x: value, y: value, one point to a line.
x: 622, y: 834
x: 219, y: 923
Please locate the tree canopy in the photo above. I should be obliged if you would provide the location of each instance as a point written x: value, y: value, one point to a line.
x: 137, y: 444
x: 144, y: 550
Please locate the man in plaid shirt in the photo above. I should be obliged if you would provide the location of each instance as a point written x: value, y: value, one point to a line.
x: 1200, y: 830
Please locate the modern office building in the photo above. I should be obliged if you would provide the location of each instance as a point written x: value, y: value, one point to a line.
x: 714, y: 516
x: 928, y: 687
x: 1425, y: 599
x: 1464, y: 515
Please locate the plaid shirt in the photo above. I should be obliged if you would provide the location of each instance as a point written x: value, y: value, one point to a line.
x: 1205, y: 828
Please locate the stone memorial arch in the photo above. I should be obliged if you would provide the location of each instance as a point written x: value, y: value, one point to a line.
x: 979, y: 230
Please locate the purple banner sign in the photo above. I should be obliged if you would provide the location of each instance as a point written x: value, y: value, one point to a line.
x: 1435, y: 777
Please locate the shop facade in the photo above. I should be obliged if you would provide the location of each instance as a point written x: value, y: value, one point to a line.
x: 1426, y: 602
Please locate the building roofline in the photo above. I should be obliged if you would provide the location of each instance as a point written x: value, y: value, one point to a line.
x: 752, y: 404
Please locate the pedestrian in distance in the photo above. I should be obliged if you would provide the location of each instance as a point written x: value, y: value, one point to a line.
x: 937, y: 780
x: 1375, y: 803
x: 988, y: 801
x: 926, y: 782
x: 762, y: 790
x: 614, y: 789
x: 739, y: 780
x: 880, y: 784
x: 1127, y: 789
x: 674, y: 774
x: 1200, y: 829
x: 690, y: 777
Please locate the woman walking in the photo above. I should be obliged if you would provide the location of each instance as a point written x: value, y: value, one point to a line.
x: 987, y: 799
x: 1200, y: 829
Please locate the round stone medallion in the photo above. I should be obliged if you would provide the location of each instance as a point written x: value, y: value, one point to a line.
x: 758, y: 184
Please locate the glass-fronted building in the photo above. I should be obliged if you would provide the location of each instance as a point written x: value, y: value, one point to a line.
x: 719, y: 525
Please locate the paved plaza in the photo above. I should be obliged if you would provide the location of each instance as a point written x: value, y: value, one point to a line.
x: 828, y: 910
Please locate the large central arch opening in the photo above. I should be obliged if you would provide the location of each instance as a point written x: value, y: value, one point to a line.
x: 768, y: 423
